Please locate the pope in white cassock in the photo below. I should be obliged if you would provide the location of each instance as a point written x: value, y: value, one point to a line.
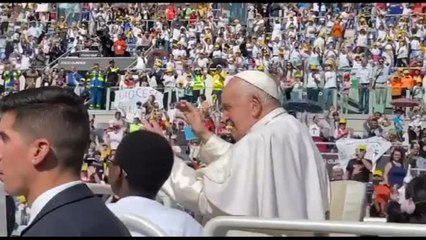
x: 273, y: 171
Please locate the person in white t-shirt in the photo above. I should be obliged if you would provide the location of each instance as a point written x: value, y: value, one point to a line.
x: 330, y: 86
x: 113, y: 136
x: 142, y: 164
x: 314, y: 80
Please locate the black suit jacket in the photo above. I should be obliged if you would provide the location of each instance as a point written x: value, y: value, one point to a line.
x: 10, y: 214
x: 76, y: 211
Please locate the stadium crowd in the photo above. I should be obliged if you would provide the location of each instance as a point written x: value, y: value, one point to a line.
x: 314, y: 51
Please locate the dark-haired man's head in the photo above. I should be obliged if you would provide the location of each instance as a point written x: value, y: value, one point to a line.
x: 142, y: 164
x: 43, y: 137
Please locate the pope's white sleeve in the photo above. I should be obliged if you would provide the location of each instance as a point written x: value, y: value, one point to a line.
x: 185, y: 187
x: 214, y: 148
x: 182, y: 186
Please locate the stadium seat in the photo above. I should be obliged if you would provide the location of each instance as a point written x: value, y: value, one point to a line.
x: 137, y: 224
x: 221, y: 226
x: 348, y: 200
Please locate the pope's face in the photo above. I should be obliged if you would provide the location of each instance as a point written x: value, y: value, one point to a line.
x: 239, y: 109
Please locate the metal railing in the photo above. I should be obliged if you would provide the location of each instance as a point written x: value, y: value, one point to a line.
x: 219, y: 226
x: 54, y: 62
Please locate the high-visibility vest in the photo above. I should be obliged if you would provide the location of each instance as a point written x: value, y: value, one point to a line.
x: 135, y: 127
x: 114, y: 69
x: 112, y: 76
x: 198, y: 83
x: 97, y: 79
x: 7, y: 77
x: 218, y: 81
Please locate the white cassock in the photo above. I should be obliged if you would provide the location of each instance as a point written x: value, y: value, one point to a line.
x: 275, y: 171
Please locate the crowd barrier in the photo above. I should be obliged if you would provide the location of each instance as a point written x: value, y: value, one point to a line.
x: 220, y: 226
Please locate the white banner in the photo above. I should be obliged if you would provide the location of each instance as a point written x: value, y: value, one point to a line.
x: 376, y: 147
x: 42, y: 7
x: 126, y: 99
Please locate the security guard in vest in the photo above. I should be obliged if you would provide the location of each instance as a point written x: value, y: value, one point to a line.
x: 136, y: 125
x: 198, y: 85
x: 10, y: 77
x: 112, y: 77
x: 97, y: 86
x: 218, y: 83
x: 112, y: 74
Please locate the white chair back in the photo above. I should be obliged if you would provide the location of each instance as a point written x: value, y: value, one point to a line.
x: 220, y: 226
x: 141, y: 225
x: 348, y: 200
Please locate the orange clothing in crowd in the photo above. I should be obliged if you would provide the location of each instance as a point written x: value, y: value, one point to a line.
x: 417, y: 79
x: 396, y: 87
x: 383, y: 193
x: 170, y: 13
x: 407, y: 81
x: 337, y: 30
x: 120, y: 47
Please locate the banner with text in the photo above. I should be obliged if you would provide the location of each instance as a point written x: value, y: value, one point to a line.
x: 376, y: 147
x: 86, y: 63
x: 126, y: 99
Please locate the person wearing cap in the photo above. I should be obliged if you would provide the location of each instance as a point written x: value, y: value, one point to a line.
x: 142, y: 164
x: 342, y: 131
x: 169, y: 83
x: 314, y: 81
x: 265, y: 134
x: 359, y: 168
x: 219, y: 76
x: 381, y: 195
x: 112, y: 74
x: 198, y: 84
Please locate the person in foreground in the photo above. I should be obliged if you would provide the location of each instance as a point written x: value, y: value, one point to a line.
x: 274, y: 170
x: 411, y: 205
x: 43, y: 137
x: 142, y: 164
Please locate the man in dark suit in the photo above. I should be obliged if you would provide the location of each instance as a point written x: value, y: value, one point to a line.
x: 43, y: 137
